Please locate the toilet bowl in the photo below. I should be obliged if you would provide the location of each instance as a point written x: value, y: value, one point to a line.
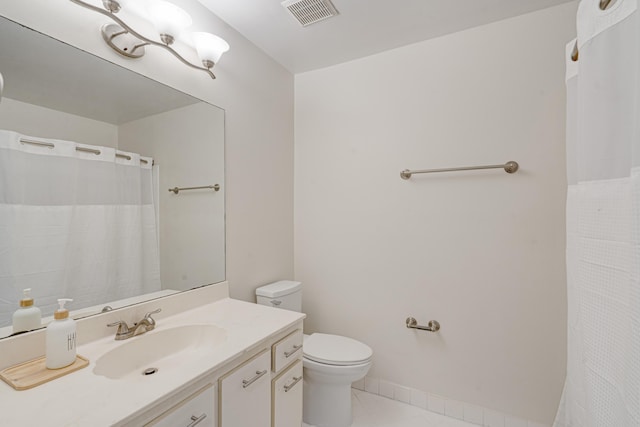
x: 331, y: 363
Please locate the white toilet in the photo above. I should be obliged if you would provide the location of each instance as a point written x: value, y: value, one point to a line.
x: 331, y: 362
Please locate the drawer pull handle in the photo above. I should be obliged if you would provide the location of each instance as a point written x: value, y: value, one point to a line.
x: 196, y: 420
x: 247, y: 383
x: 288, y: 354
x: 296, y: 380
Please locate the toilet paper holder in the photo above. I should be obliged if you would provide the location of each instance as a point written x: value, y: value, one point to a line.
x: 432, y: 326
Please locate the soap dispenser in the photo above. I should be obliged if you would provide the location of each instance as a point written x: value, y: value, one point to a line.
x: 61, y: 338
x: 28, y: 316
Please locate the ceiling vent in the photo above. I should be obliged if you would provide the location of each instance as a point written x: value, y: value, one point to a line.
x: 308, y: 12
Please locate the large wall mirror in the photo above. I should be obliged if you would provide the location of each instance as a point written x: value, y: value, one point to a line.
x: 84, y: 211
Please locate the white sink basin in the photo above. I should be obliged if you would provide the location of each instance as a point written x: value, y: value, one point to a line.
x: 161, y: 349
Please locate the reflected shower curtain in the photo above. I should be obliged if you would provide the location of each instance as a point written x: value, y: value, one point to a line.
x: 602, y: 387
x: 77, y: 224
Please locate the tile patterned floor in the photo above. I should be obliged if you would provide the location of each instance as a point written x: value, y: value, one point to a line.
x: 370, y: 410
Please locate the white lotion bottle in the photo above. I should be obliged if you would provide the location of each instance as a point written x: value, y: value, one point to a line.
x: 28, y: 316
x: 61, y: 338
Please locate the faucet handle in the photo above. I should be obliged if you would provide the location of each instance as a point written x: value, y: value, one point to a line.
x: 150, y: 321
x: 123, y: 329
x: 148, y: 315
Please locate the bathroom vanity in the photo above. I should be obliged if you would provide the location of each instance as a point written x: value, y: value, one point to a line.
x: 219, y: 362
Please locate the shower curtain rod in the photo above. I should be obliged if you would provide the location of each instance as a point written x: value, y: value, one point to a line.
x: 83, y: 149
x: 604, y: 4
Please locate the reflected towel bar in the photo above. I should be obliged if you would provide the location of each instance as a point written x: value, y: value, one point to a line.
x: 509, y: 167
x: 176, y: 190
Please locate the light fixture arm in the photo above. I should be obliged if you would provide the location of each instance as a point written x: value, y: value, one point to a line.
x: 140, y: 36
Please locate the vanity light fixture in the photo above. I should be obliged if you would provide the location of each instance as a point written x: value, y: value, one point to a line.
x: 169, y: 21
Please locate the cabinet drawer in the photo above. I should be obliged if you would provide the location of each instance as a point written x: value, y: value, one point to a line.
x: 245, y: 393
x: 287, y: 397
x: 195, y: 411
x: 286, y: 351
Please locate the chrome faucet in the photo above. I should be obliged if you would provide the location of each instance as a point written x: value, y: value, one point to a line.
x: 124, y: 332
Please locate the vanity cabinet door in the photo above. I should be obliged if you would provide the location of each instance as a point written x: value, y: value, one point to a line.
x: 245, y: 394
x: 195, y: 411
x: 287, y: 397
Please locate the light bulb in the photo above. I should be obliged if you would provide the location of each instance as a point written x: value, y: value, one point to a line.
x: 210, y: 48
x: 168, y: 19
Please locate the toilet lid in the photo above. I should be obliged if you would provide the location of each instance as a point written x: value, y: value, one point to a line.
x: 335, y: 350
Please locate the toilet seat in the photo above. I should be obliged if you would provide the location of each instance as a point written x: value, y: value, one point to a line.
x: 335, y: 350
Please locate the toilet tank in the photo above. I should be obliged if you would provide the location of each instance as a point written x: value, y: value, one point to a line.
x: 285, y: 294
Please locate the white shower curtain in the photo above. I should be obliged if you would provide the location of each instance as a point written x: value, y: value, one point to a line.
x: 602, y: 387
x: 74, y: 224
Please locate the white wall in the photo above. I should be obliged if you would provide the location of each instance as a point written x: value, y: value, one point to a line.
x: 481, y: 252
x: 257, y: 95
x: 187, y: 145
x: 37, y: 121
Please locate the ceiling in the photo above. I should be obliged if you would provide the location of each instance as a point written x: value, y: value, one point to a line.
x: 362, y: 28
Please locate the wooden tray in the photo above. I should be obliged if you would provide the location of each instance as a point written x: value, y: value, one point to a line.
x: 34, y: 372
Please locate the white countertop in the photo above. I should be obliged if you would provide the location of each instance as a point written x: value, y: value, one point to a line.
x: 85, y: 399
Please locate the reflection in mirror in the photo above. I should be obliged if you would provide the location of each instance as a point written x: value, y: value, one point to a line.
x: 88, y: 152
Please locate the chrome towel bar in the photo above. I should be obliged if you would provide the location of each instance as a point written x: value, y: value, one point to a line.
x: 176, y: 190
x: 509, y: 167
x: 432, y: 326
